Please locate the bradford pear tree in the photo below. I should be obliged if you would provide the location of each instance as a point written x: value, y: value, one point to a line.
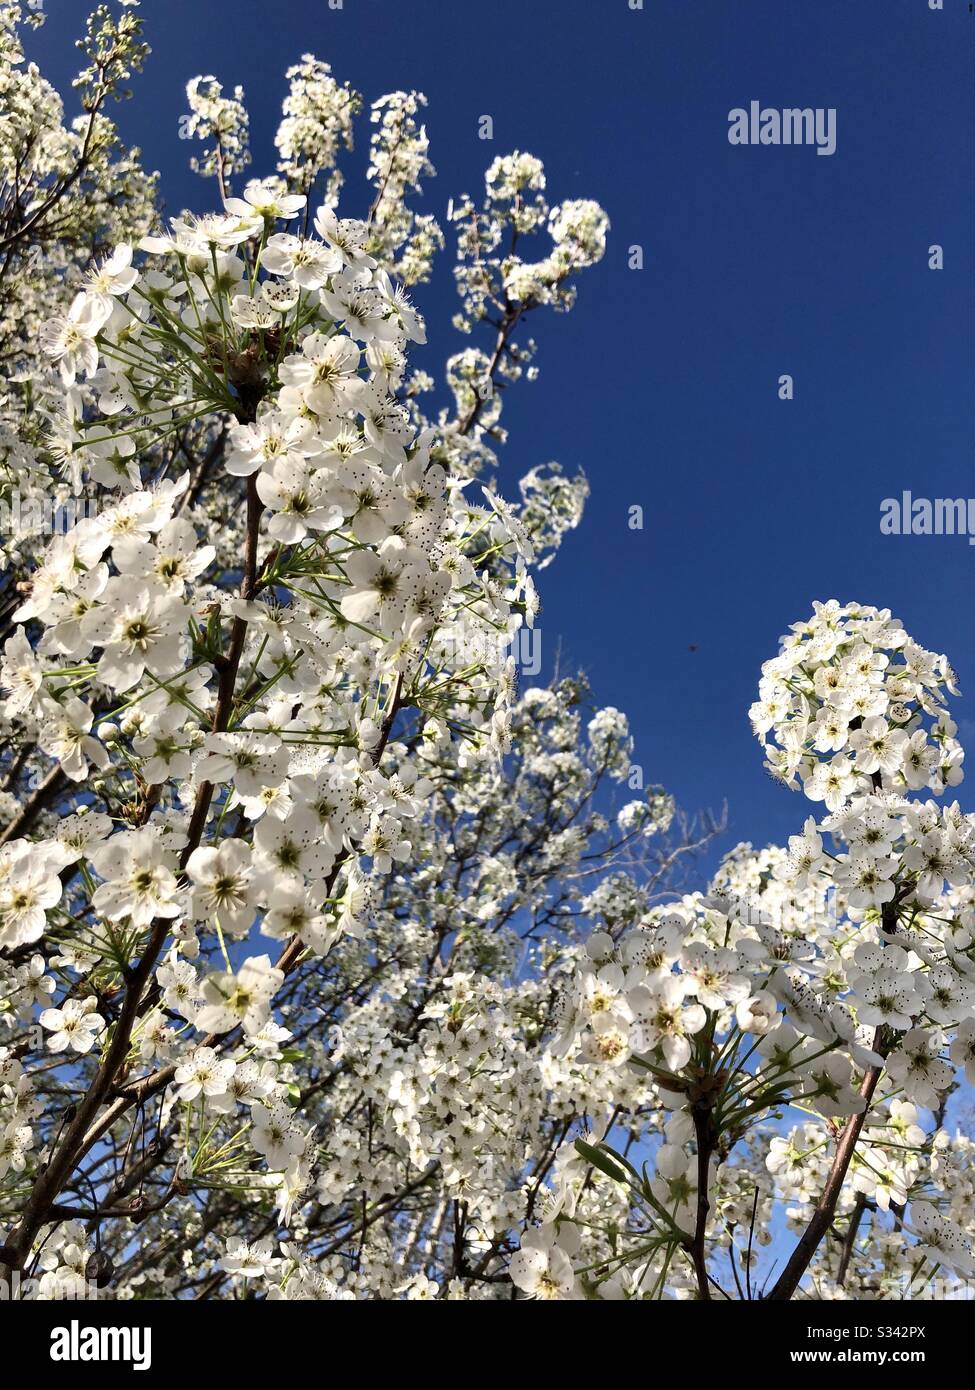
x: 334, y: 963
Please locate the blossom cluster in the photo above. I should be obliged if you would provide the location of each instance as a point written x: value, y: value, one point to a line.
x: 836, y: 981
x: 852, y: 702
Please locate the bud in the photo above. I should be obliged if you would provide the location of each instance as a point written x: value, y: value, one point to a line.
x: 99, y: 1270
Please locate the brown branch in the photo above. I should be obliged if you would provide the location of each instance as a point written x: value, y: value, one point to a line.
x: 511, y: 317
x: 82, y: 1130
x: 60, y: 189
x: 851, y: 1234
x: 53, y: 1176
x: 31, y: 809
x: 704, y: 1132
x: 822, y: 1217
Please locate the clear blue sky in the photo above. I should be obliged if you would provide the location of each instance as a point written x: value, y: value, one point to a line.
x: 662, y: 384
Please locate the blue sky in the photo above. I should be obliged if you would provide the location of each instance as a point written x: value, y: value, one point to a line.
x: 662, y: 383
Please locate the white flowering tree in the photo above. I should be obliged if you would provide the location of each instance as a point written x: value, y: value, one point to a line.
x: 331, y: 965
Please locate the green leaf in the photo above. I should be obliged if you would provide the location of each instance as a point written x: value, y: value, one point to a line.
x: 600, y: 1160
